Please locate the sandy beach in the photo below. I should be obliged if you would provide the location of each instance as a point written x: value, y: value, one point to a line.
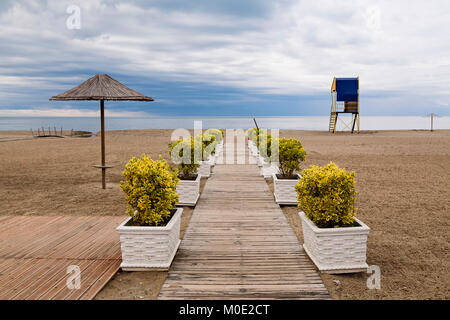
x: 403, y: 184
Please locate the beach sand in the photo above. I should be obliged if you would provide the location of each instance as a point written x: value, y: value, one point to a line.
x: 403, y: 180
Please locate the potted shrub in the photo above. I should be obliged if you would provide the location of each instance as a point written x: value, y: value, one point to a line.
x: 334, y: 238
x: 220, y: 141
x: 209, y: 144
x: 268, y: 167
x: 187, y: 154
x: 253, y: 149
x: 290, y: 154
x: 204, y: 170
x: 263, y: 143
x: 208, y: 153
x: 150, y: 237
x: 253, y: 144
x: 218, y: 135
x: 252, y: 133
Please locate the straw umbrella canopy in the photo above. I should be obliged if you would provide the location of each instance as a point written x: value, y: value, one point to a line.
x: 101, y: 87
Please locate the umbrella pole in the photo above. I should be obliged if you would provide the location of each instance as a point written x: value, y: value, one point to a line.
x: 102, y: 115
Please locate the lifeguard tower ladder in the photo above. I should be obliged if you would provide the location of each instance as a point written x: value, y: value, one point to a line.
x: 344, y: 99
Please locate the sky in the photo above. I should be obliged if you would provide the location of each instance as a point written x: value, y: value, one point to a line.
x: 226, y: 57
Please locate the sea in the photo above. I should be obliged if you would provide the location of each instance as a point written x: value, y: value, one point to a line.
x: 287, y: 122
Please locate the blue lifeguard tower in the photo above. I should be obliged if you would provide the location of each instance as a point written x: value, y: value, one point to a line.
x: 344, y: 99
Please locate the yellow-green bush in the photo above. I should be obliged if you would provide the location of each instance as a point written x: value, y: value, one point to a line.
x: 253, y: 134
x: 187, y: 154
x: 217, y: 133
x: 250, y: 132
x: 290, y: 154
x: 150, y: 186
x: 327, y: 196
x: 265, y: 145
x: 209, y: 144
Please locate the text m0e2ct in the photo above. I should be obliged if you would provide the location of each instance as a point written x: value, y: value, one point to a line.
x: 250, y: 309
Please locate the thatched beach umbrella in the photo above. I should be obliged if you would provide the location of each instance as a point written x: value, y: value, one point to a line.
x: 102, y: 87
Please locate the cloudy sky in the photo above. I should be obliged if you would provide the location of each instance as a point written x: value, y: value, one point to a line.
x: 226, y: 57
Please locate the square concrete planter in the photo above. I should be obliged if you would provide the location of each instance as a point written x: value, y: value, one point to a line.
x: 250, y: 149
x: 212, y: 160
x: 253, y: 148
x: 204, y: 170
x: 254, y: 151
x: 219, y: 148
x: 189, y: 191
x: 269, y: 169
x: 284, y: 190
x: 262, y: 161
x: 149, y: 248
x: 336, y: 250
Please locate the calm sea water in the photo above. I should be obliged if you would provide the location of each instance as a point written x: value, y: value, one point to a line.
x: 301, y: 123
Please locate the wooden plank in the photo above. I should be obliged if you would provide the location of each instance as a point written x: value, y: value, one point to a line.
x: 101, y: 281
x: 96, y: 270
x: 36, y: 251
x: 58, y: 288
x: 239, y: 245
x: 34, y: 286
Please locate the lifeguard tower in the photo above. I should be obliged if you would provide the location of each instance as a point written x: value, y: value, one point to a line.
x: 344, y: 99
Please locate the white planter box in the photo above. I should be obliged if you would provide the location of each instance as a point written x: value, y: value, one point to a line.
x: 268, y: 169
x: 284, y: 190
x: 204, y: 170
x: 212, y: 160
x: 250, y: 147
x: 253, y: 153
x: 219, y: 148
x: 189, y: 191
x: 262, y: 161
x: 336, y: 250
x: 149, y: 248
x: 254, y: 150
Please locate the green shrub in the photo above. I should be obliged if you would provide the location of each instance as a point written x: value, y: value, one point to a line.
x: 187, y: 154
x: 217, y: 133
x: 209, y: 144
x: 290, y: 154
x: 252, y: 133
x: 265, y: 145
x: 327, y: 196
x: 150, y: 187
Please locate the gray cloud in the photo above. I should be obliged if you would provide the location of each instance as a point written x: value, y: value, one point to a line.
x: 286, y: 47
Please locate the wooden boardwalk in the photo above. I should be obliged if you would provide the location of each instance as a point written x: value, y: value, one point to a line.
x: 35, y: 252
x: 239, y: 245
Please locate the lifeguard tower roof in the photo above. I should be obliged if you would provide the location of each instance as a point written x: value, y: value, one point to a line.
x: 346, y: 89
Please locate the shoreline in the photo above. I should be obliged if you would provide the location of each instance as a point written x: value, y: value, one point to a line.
x: 190, y: 129
x: 314, y: 123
